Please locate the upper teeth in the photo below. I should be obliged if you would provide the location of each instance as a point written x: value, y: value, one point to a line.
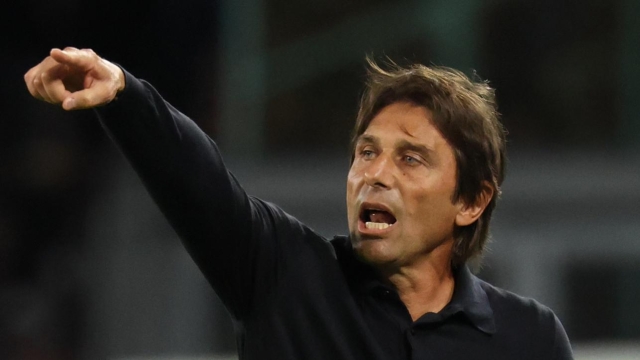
x: 376, y: 225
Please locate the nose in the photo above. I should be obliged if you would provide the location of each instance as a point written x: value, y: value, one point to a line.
x: 379, y: 172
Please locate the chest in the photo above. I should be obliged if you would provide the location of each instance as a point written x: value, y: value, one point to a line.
x: 322, y: 317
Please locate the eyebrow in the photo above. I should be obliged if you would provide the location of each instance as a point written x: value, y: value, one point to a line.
x: 419, y: 148
x: 403, y: 145
x: 369, y: 139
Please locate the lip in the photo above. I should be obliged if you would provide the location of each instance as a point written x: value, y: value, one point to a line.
x: 375, y: 205
x: 362, y: 228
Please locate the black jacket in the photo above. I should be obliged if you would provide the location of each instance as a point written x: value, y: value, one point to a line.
x: 292, y: 293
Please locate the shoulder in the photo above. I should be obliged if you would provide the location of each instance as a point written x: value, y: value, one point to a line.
x: 507, y: 303
x: 525, y: 320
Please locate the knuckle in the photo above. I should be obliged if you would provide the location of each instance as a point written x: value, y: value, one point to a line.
x: 92, y: 55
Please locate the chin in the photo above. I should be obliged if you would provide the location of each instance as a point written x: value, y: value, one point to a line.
x: 372, y: 251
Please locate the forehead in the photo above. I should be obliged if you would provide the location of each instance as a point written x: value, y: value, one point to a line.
x: 407, y: 121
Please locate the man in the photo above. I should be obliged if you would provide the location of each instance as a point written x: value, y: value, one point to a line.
x: 428, y: 155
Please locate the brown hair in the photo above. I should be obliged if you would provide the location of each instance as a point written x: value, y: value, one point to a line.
x: 465, y: 113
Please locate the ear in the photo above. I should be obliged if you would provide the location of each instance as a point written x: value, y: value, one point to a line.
x: 469, y: 213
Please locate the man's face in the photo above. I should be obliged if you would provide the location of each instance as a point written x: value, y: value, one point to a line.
x: 400, y: 187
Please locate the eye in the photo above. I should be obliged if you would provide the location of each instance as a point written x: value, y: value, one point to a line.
x: 367, y: 153
x: 411, y: 160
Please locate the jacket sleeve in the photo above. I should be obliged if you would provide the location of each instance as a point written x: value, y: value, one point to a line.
x: 233, y: 238
x: 561, y: 345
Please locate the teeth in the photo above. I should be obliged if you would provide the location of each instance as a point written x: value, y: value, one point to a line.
x: 375, y: 225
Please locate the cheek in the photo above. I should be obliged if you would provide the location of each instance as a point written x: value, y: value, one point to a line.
x: 354, y: 180
x: 427, y: 208
x: 352, y: 187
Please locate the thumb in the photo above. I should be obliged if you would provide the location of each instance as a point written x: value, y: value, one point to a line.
x: 69, y: 103
x: 83, y: 59
x: 88, y: 98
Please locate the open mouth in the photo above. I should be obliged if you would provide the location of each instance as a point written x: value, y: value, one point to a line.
x: 376, y: 217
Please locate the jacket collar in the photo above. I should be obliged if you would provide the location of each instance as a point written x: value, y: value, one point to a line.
x: 469, y: 297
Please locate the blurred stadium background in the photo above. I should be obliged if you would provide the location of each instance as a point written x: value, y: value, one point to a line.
x: 90, y: 269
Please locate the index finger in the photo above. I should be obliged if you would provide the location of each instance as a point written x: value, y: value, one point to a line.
x: 36, y: 71
x: 28, y: 79
x: 82, y: 59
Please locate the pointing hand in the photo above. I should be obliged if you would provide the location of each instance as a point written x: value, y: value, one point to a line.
x: 77, y: 79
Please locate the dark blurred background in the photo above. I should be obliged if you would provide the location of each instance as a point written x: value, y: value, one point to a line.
x: 90, y: 269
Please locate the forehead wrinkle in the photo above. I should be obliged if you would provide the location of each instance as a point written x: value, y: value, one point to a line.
x: 427, y: 113
x: 404, y: 129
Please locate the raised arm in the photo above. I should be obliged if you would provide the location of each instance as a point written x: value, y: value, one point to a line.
x: 232, y: 237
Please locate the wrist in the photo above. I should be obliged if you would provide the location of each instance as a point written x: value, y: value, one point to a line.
x: 116, y: 74
x: 121, y: 82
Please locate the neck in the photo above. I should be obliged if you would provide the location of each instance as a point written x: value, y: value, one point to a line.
x: 424, y: 286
